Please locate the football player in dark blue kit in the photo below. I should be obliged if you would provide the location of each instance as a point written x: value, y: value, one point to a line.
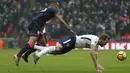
x: 36, y: 24
x: 42, y: 42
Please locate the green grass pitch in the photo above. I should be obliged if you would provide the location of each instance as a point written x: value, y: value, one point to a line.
x: 71, y: 62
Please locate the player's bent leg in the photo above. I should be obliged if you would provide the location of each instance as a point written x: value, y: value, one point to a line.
x: 41, y: 42
x: 36, y: 58
x: 27, y: 46
x: 58, y: 50
x: 45, y: 50
x: 26, y: 55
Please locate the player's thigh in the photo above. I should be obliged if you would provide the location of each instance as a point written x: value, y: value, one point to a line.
x: 43, y: 41
x: 34, y: 33
x: 59, y: 47
x: 33, y: 39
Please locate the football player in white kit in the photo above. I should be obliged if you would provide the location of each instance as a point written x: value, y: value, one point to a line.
x: 71, y: 42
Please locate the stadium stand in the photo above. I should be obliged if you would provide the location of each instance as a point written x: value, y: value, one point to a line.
x: 84, y: 16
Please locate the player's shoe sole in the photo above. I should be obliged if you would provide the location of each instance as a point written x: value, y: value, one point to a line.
x: 16, y: 60
x: 36, y: 58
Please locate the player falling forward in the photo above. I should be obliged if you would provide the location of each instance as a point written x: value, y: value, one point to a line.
x: 82, y: 41
x: 35, y: 27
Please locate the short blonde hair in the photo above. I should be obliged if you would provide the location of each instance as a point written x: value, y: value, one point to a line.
x: 55, y: 3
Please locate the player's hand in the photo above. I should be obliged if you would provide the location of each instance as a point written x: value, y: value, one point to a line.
x: 99, y: 68
x: 74, y: 33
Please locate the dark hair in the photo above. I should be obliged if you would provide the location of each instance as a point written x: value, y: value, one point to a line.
x: 104, y: 37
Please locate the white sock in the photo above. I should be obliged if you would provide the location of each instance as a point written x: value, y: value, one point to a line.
x: 39, y: 47
x: 46, y: 50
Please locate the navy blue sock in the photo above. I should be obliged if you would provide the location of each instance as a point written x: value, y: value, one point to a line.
x: 23, y: 50
x: 28, y: 53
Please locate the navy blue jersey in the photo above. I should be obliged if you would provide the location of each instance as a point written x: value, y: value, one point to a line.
x: 36, y: 24
x: 44, y: 16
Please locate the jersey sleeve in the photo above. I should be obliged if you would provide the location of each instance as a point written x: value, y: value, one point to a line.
x: 94, y: 41
x: 55, y: 11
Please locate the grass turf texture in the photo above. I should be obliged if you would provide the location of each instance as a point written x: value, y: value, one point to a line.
x: 71, y: 62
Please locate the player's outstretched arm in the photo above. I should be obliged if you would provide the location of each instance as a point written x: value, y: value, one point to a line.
x: 63, y: 23
x: 93, y: 54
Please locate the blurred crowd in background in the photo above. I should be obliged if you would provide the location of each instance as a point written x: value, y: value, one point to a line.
x: 84, y: 17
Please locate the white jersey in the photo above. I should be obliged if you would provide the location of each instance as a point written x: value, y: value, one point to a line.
x: 84, y: 41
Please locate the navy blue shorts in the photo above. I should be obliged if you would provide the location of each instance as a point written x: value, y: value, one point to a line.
x: 68, y: 44
x: 35, y: 30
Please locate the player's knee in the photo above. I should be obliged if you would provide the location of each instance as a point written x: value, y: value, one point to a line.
x: 42, y: 41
